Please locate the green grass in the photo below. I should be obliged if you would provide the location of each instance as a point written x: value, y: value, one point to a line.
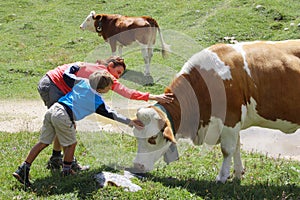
x: 191, y: 177
x: 38, y: 35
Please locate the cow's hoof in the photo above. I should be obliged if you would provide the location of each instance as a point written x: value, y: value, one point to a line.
x: 221, y: 179
x: 148, y: 80
x: 135, y: 170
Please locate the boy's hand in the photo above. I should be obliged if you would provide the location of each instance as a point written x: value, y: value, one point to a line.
x: 136, y: 123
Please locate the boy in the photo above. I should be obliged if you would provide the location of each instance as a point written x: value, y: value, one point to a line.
x: 59, y: 120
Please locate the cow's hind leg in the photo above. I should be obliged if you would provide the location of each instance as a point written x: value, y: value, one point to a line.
x: 147, y: 53
x: 229, y: 138
x: 120, y: 50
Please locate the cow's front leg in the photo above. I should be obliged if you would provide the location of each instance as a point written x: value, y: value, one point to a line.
x: 113, y: 46
x: 238, y: 165
x: 229, y: 138
x: 225, y: 169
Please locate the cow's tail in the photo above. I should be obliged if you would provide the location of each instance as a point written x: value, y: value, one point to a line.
x: 165, y: 47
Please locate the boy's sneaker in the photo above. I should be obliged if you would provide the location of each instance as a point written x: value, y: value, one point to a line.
x: 77, y: 167
x: 55, y: 163
x: 22, y: 175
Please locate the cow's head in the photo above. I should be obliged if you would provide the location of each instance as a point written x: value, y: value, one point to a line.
x: 155, y: 140
x: 88, y: 23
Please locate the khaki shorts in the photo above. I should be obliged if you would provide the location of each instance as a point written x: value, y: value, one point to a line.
x: 57, y: 122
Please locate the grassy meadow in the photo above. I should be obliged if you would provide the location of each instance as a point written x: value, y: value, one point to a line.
x: 38, y: 35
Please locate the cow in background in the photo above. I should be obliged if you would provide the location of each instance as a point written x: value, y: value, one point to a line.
x: 123, y: 30
x: 221, y: 90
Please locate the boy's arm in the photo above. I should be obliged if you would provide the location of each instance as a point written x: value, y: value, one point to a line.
x: 112, y: 114
x: 69, y: 75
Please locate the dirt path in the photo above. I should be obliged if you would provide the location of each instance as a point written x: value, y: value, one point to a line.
x: 16, y: 116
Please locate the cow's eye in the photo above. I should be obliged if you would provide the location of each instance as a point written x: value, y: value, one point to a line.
x: 152, y: 140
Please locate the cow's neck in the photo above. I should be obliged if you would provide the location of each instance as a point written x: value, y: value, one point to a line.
x: 162, y: 108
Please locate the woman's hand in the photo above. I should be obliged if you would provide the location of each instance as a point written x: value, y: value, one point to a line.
x: 162, y: 98
x: 136, y: 123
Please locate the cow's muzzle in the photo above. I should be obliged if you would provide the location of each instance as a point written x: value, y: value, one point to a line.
x: 139, y: 168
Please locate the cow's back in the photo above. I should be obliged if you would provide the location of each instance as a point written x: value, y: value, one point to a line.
x: 266, y: 78
x: 254, y: 83
x: 126, y: 29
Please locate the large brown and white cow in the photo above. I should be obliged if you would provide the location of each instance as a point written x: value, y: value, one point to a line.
x: 123, y: 30
x: 221, y: 90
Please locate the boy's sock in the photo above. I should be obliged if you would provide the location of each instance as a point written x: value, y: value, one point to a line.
x: 67, y: 165
x: 67, y: 169
x: 56, y: 153
x: 27, y: 164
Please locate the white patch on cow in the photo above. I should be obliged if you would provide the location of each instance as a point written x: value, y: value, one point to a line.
x: 239, y: 48
x: 207, y: 60
x: 209, y: 134
x: 250, y: 117
x: 148, y: 154
x: 150, y: 119
x: 88, y: 23
x: 230, y: 145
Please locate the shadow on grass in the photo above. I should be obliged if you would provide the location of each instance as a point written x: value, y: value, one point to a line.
x: 83, y: 184
x: 233, y: 189
x: 137, y: 77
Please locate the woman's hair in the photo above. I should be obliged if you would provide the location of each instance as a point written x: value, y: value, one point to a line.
x: 117, y: 60
x: 100, y: 79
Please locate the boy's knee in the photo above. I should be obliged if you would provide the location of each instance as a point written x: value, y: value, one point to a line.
x: 74, y: 144
x: 71, y: 145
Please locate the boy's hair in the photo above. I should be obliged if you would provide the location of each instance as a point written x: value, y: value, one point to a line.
x: 100, y: 79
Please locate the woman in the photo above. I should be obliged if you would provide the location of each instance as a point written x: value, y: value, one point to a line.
x: 52, y: 86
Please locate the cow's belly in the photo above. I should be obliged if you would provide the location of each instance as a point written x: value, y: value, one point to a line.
x: 211, y: 133
x: 250, y: 118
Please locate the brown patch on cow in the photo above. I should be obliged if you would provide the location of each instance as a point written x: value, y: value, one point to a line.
x: 275, y: 70
x: 126, y: 30
x: 152, y: 139
x: 174, y: 109
x: 240, y: 88
x: 272, y: 65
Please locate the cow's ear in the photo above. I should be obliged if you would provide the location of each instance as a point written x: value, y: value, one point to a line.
x: 168, y: 134
x: 168, y: 90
